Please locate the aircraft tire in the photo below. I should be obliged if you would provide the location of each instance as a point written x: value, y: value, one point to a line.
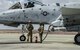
x: 77, y: 39
x: 22, y: 38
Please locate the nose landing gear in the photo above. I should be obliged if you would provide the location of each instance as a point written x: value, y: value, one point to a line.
x: 22, y: 38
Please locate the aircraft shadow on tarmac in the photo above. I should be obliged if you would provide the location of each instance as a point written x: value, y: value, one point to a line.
x: 16, y: 42
x: 45, y: 42
x: 50, y: 42
x: 13, y: 42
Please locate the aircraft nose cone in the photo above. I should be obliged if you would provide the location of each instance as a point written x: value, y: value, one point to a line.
x: 1, y: 13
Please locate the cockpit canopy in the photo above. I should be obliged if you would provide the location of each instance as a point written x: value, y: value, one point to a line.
x: 19, y: 6
x: 29, y: 5
x: 16, y: 6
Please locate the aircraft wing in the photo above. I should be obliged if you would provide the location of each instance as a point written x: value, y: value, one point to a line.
x: 71, y: 17
x: 70, y: 11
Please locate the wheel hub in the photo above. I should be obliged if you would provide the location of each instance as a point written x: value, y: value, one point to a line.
x: 22, y: 38
x: 78, y: 38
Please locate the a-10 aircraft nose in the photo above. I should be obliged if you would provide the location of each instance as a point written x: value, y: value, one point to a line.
x: 2, y: 15
x: 6, y: 13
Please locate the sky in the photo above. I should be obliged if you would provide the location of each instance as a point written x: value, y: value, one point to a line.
x: 5, y: 4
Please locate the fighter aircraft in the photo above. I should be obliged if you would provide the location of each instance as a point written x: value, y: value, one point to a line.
x: 46, y: 14
x: 17, y: 14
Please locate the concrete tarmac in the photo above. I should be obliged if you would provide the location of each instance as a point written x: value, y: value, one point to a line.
x: 52, y: 42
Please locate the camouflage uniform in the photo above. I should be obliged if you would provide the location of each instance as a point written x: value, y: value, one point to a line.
x: 30, y: 28
x: 41, y: 30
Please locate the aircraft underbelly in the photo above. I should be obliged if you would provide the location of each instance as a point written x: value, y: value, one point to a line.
x: 71, y: 16
x: 71, y: 20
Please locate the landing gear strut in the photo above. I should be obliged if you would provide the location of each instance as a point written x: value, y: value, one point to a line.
x: 23, y: 37
x: 77, y: 38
